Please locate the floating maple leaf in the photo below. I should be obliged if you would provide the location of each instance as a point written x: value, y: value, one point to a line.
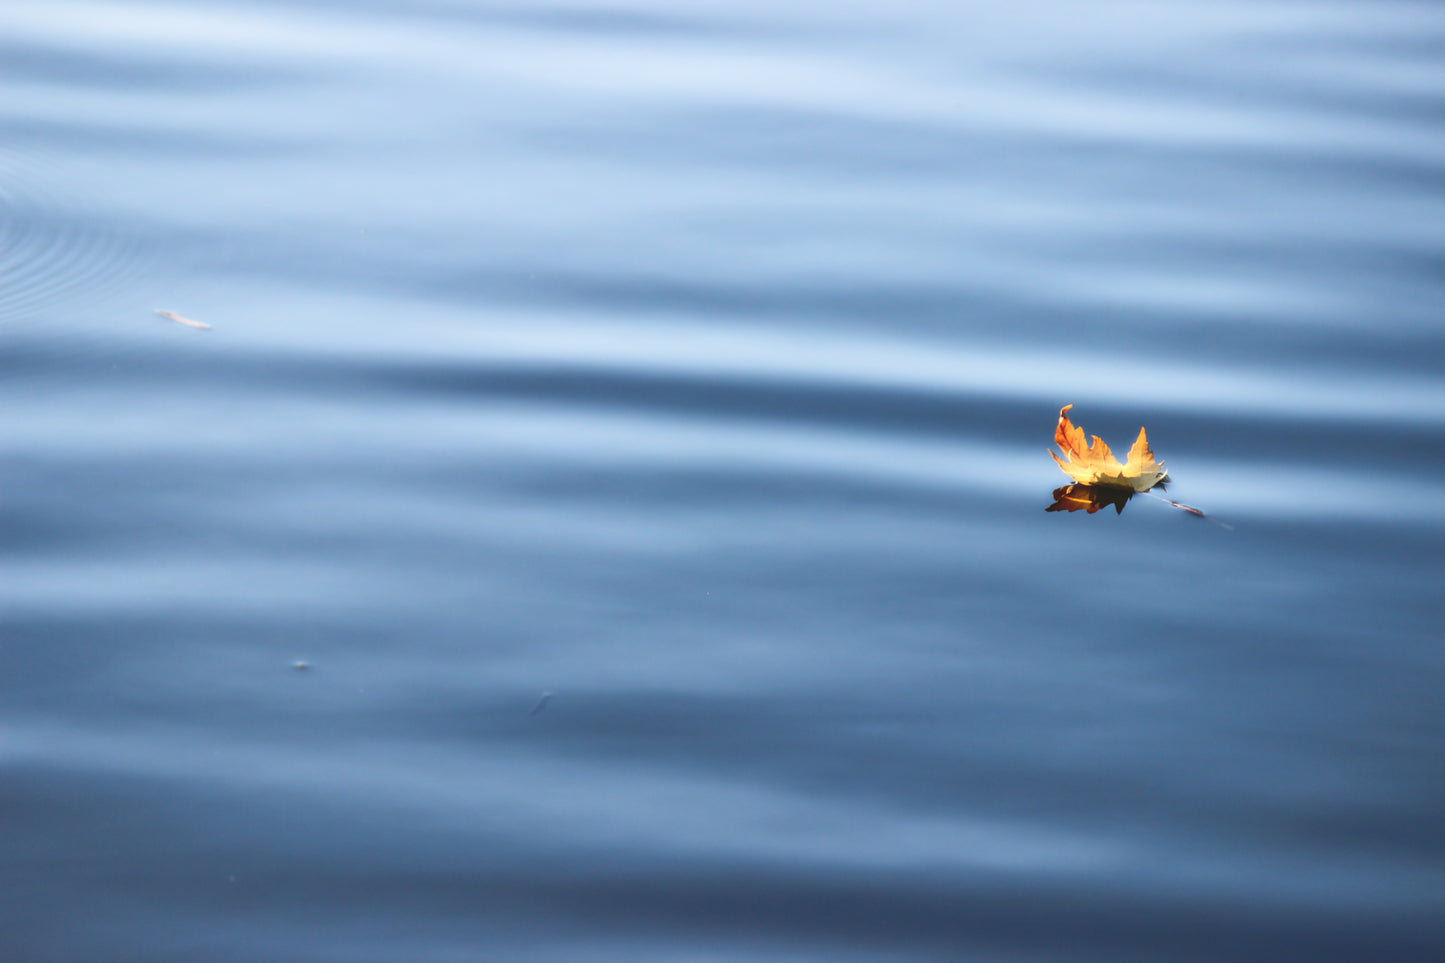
x: 1094, y: 464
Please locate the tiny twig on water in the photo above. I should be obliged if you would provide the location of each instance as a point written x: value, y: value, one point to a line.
x: 1190, y: 509
x: 186, y: 321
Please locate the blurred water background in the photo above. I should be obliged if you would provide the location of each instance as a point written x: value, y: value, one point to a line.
x: 695, y: 362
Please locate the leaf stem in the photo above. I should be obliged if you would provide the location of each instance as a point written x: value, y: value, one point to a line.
x: 1191, y: 510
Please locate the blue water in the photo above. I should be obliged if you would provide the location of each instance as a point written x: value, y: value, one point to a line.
x: 695, y: 364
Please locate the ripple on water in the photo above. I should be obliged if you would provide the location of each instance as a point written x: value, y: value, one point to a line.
x: 53, y: 255
x: 63, y: 271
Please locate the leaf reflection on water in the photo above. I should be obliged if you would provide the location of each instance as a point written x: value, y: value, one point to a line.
x: 1090, y: 498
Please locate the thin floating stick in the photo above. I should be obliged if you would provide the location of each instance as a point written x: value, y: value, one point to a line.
x: 1190, y: 509
x: 187, y: 321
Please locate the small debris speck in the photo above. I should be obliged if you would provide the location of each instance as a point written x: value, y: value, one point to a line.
x: 186, y: 321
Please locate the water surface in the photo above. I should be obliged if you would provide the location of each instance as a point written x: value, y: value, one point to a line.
x: 695, y: 363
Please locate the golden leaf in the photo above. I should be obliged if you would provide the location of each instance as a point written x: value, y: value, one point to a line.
x: 1094, y: 464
